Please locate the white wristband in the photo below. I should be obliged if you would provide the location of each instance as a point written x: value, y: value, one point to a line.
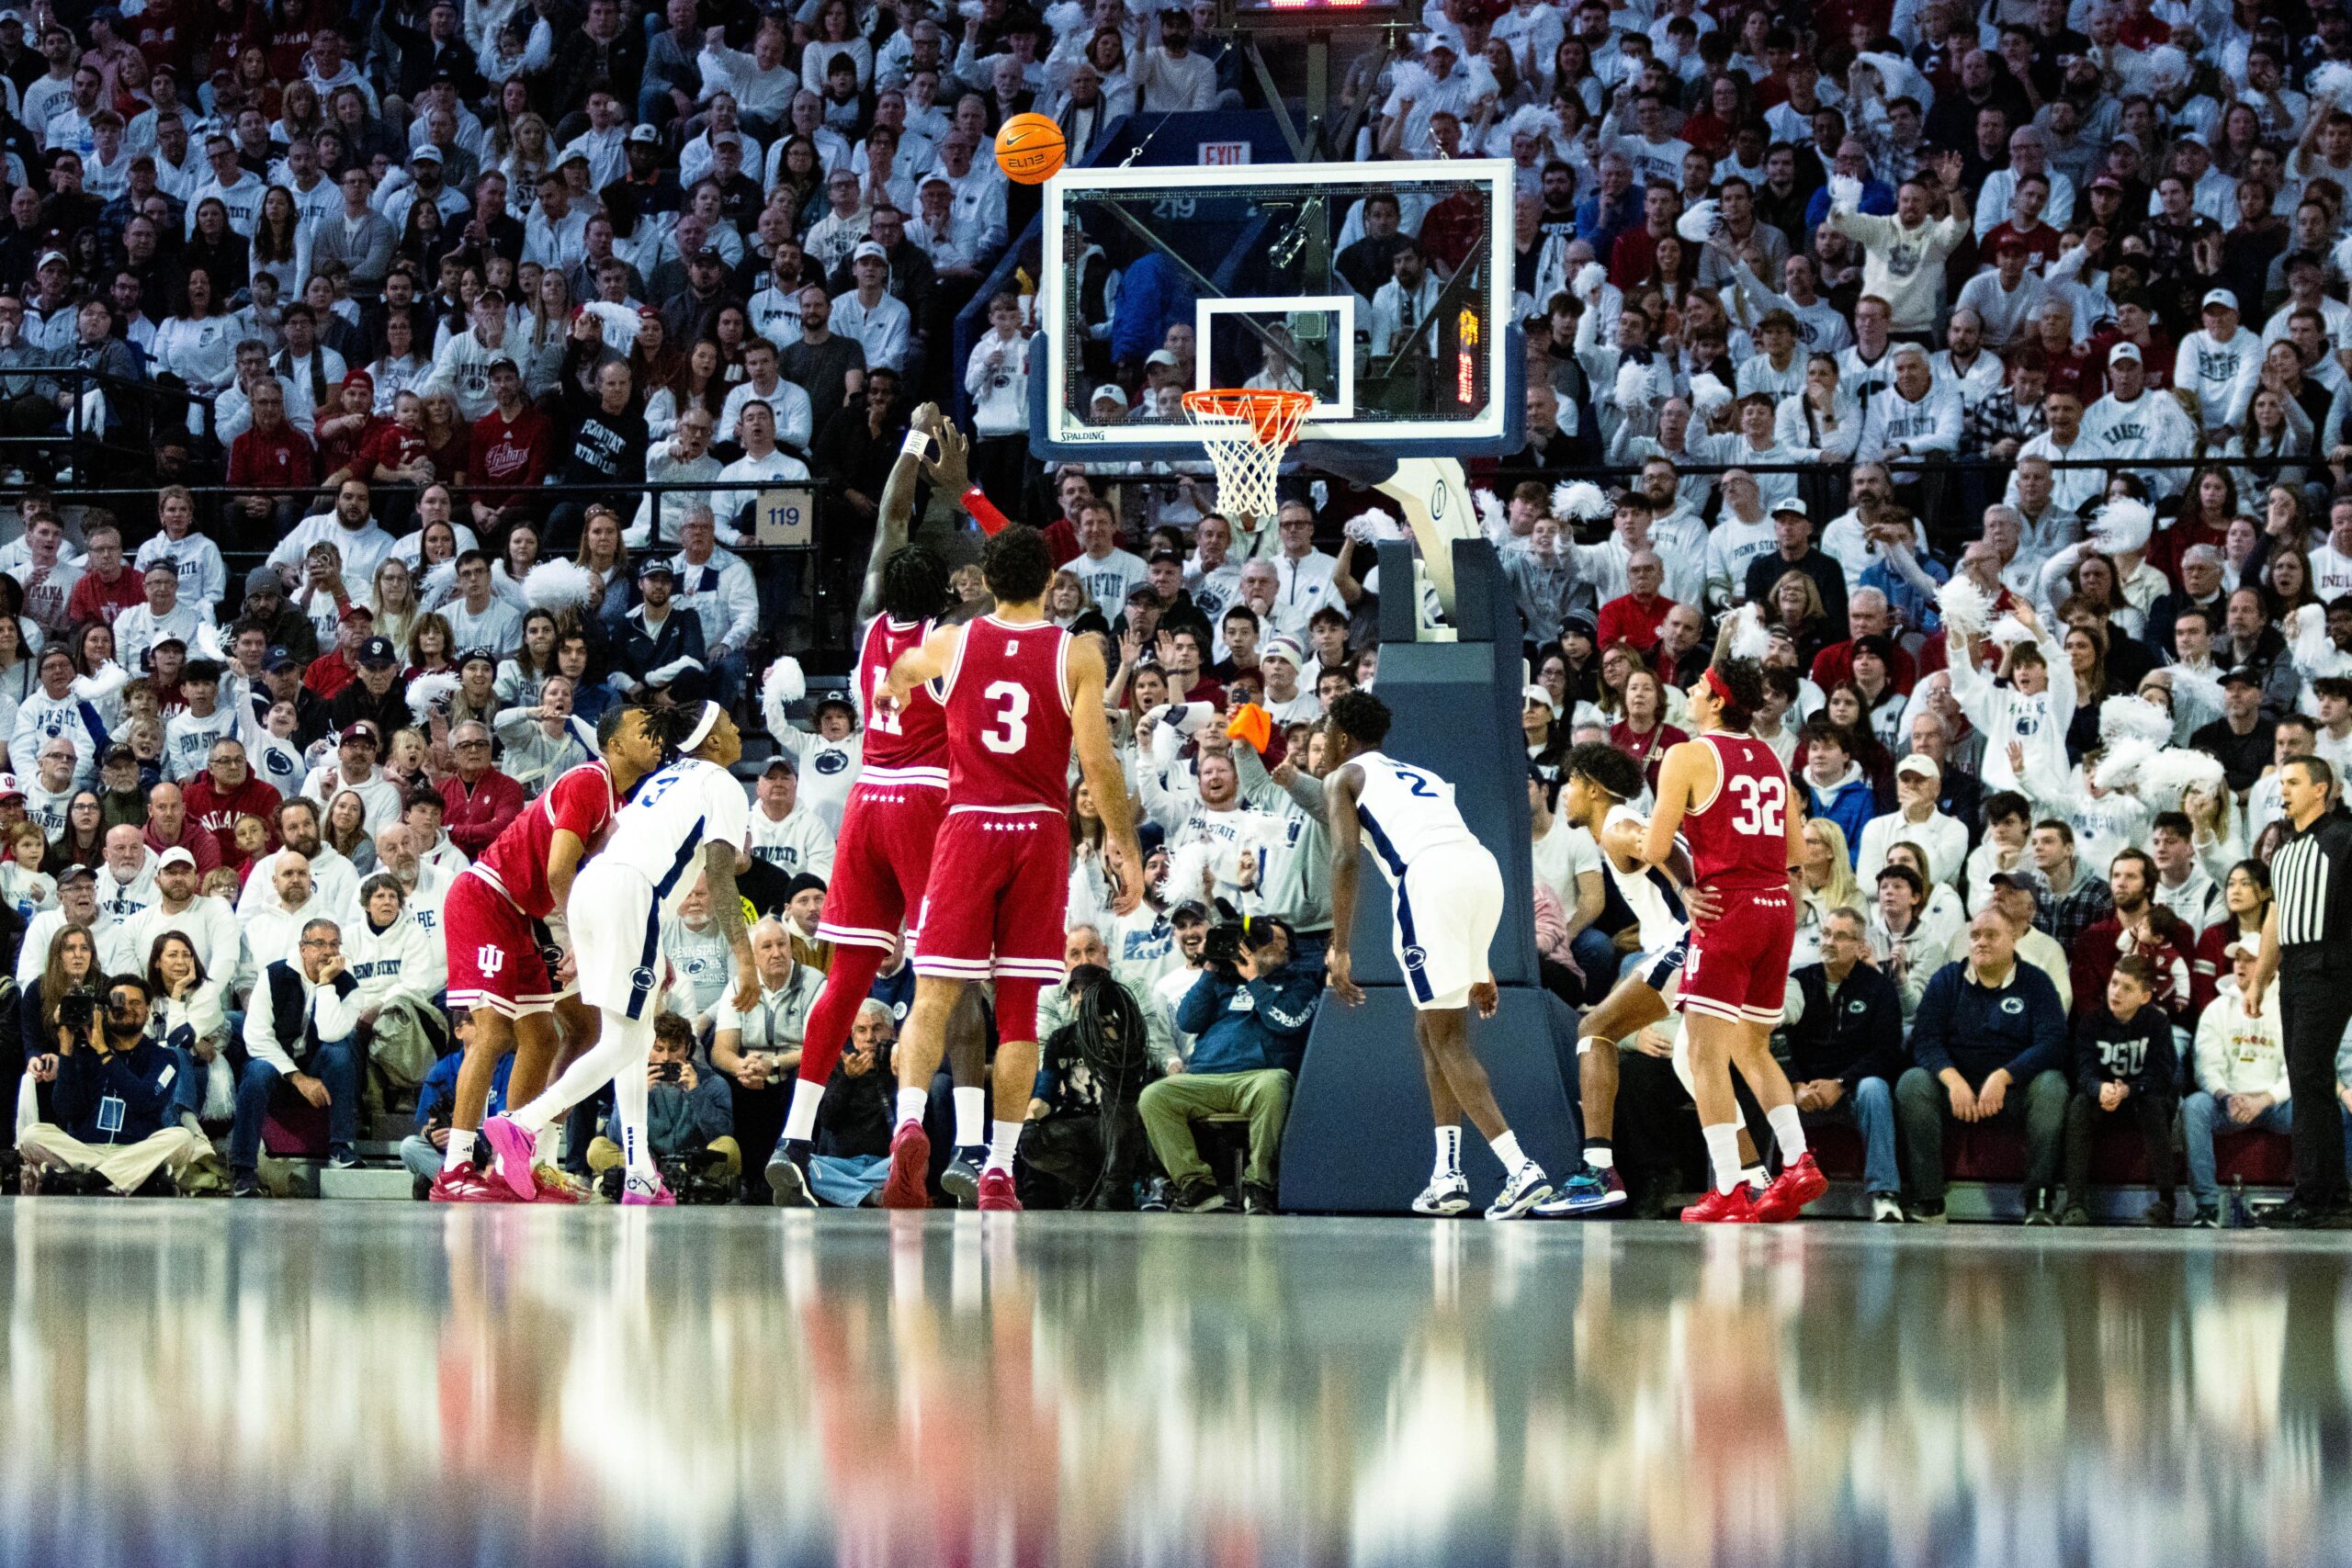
x: 916, y: 444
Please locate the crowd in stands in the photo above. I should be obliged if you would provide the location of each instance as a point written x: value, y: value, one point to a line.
x: 1999, y: 355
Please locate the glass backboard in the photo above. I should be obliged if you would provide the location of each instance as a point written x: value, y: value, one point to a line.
x: 1277, y: 276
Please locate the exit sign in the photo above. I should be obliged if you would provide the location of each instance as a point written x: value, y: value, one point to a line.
x: 1224, y: 152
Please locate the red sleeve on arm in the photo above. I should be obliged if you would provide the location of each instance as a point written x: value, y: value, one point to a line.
x: 984, y: 511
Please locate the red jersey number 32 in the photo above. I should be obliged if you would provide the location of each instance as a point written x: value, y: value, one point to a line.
x: 1762, y: 808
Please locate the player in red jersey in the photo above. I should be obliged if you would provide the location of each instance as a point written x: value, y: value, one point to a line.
x: 501, y: 957
x: 890, y: 823
x: 1018, y: 694
x: 1727, y: 795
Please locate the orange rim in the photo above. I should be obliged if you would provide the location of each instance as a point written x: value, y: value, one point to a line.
x: 1273, y: 415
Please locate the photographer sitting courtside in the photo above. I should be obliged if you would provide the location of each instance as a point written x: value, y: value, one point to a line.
x: 112, y: 1104
x: 688, y: 1117
x: 1250, y: 1015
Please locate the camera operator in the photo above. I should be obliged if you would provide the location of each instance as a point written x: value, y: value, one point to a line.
x: 853, y: 1153
x: 1251, y: 1012
x: 688, y: 1117
x: 112, y: 1103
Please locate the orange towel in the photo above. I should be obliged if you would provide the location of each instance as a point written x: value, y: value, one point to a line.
x: 1253, y: 725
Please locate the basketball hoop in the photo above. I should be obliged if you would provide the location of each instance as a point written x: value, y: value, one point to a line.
x: 1246, y: 432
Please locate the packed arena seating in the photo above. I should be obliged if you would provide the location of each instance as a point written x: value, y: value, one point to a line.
x: 388, y: 390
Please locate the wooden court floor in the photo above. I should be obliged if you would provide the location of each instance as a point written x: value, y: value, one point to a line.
x: 206, y: 1383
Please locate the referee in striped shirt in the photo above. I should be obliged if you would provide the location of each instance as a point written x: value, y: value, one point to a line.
x: 2307, y: 944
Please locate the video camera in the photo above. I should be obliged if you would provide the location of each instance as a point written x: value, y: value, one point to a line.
x: 1231, y: 934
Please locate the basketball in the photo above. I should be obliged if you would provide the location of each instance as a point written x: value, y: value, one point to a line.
x: 1029, y: 149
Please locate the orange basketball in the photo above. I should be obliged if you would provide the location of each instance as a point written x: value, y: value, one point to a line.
x: 1029, y: 149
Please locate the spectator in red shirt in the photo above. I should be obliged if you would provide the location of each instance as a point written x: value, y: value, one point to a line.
x: 107, y: 586
x: 344, y: 427
x: 272, y: 455
x: 1867, y: 615
x: 512, y: 444
x: 1634, y: 255
x: 1635, y: 618
x: 335, y: 669
x: 225, y: 791
x: 477, y: 801
x: 169, y: 827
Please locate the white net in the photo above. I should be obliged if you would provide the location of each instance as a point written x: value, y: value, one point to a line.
x: 1245, y: 435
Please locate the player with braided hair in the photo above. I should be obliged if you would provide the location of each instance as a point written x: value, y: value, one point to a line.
x: 1727, y: 795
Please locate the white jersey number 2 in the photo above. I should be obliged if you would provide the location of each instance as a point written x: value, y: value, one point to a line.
x: 1763, y: 806
x: 1010, y: 733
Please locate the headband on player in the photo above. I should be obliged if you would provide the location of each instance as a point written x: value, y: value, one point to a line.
x: 701, y: 731
x: 1716, y: 685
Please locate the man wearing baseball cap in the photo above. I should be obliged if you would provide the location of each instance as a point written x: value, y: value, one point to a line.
x: 871, y: 313
x: 2212, y: 361
x: 379, y: 696
x: 209, y: 924
x: 785, y: 833
x: 659, y: 640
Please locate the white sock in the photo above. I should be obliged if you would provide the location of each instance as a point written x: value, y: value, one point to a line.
x: 1506, y: 1150
x: 912, y: 1102
x: 1003, y: 1138
x: 461, y: 1149
x: 1788, y: 1125
x: 800, y: 1121
x: 1448, y: 1153
x: 1599, y: 1158
x: 543, y: 1145
x: 971, y: 1115
x: 1723, y: 1154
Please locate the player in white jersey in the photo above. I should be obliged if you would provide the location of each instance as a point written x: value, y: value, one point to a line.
x: 682, y: 830
x: 1600, y: 780
x: 1448, y: 895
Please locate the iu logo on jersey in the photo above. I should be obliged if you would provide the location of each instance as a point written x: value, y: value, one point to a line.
x: 489, y: 960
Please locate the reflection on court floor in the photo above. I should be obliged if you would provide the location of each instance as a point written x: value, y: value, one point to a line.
x: 191, y: 1383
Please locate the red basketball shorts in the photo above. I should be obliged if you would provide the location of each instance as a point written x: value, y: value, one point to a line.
x: 881, y: 861
x: 500, y: 958
x: 1000, y: 883
x: 1738, y: 963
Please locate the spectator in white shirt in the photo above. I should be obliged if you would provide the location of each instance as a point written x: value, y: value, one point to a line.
x: 872, y: 314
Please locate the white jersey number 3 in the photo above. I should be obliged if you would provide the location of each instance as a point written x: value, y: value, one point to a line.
x: 1763, y: 806
x: 1010, y: 733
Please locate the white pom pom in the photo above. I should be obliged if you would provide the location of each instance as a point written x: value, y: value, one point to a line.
x: 2331, y: 83
x: 1588, y: 279
x: 2172, y: 772
x: 1493, y: 520
x: 2008, y: 631
x: 2120, y: 767
x: 1481, y: 77
x: 1188, y: 873
x: 208, y: 643
x: 1965, y: 606
x: 1581, y: 502
x: 1707, y: 394
x: 558, y: 585
x: 1701, y: 221
x: 784, y: 682
x: 1845, y: 193
x: 1749, y: 637
x: 2130, y: 718
x: 1633, y: 388
x: 2124, y: 526
x: 1378, y: 525
x: 1412, y: 83
x: 1065, y: 17
x: 430, y: 693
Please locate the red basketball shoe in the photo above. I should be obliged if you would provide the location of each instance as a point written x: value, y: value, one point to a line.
x: 1799, y: 1183
x: 909, y: 1185
x: 995, y: 1192
x: 1732, y: 1208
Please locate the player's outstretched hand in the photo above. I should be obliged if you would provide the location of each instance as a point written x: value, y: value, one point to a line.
x: 950, y: 462
x: 1484, y: 998
x: 1336, y: 975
